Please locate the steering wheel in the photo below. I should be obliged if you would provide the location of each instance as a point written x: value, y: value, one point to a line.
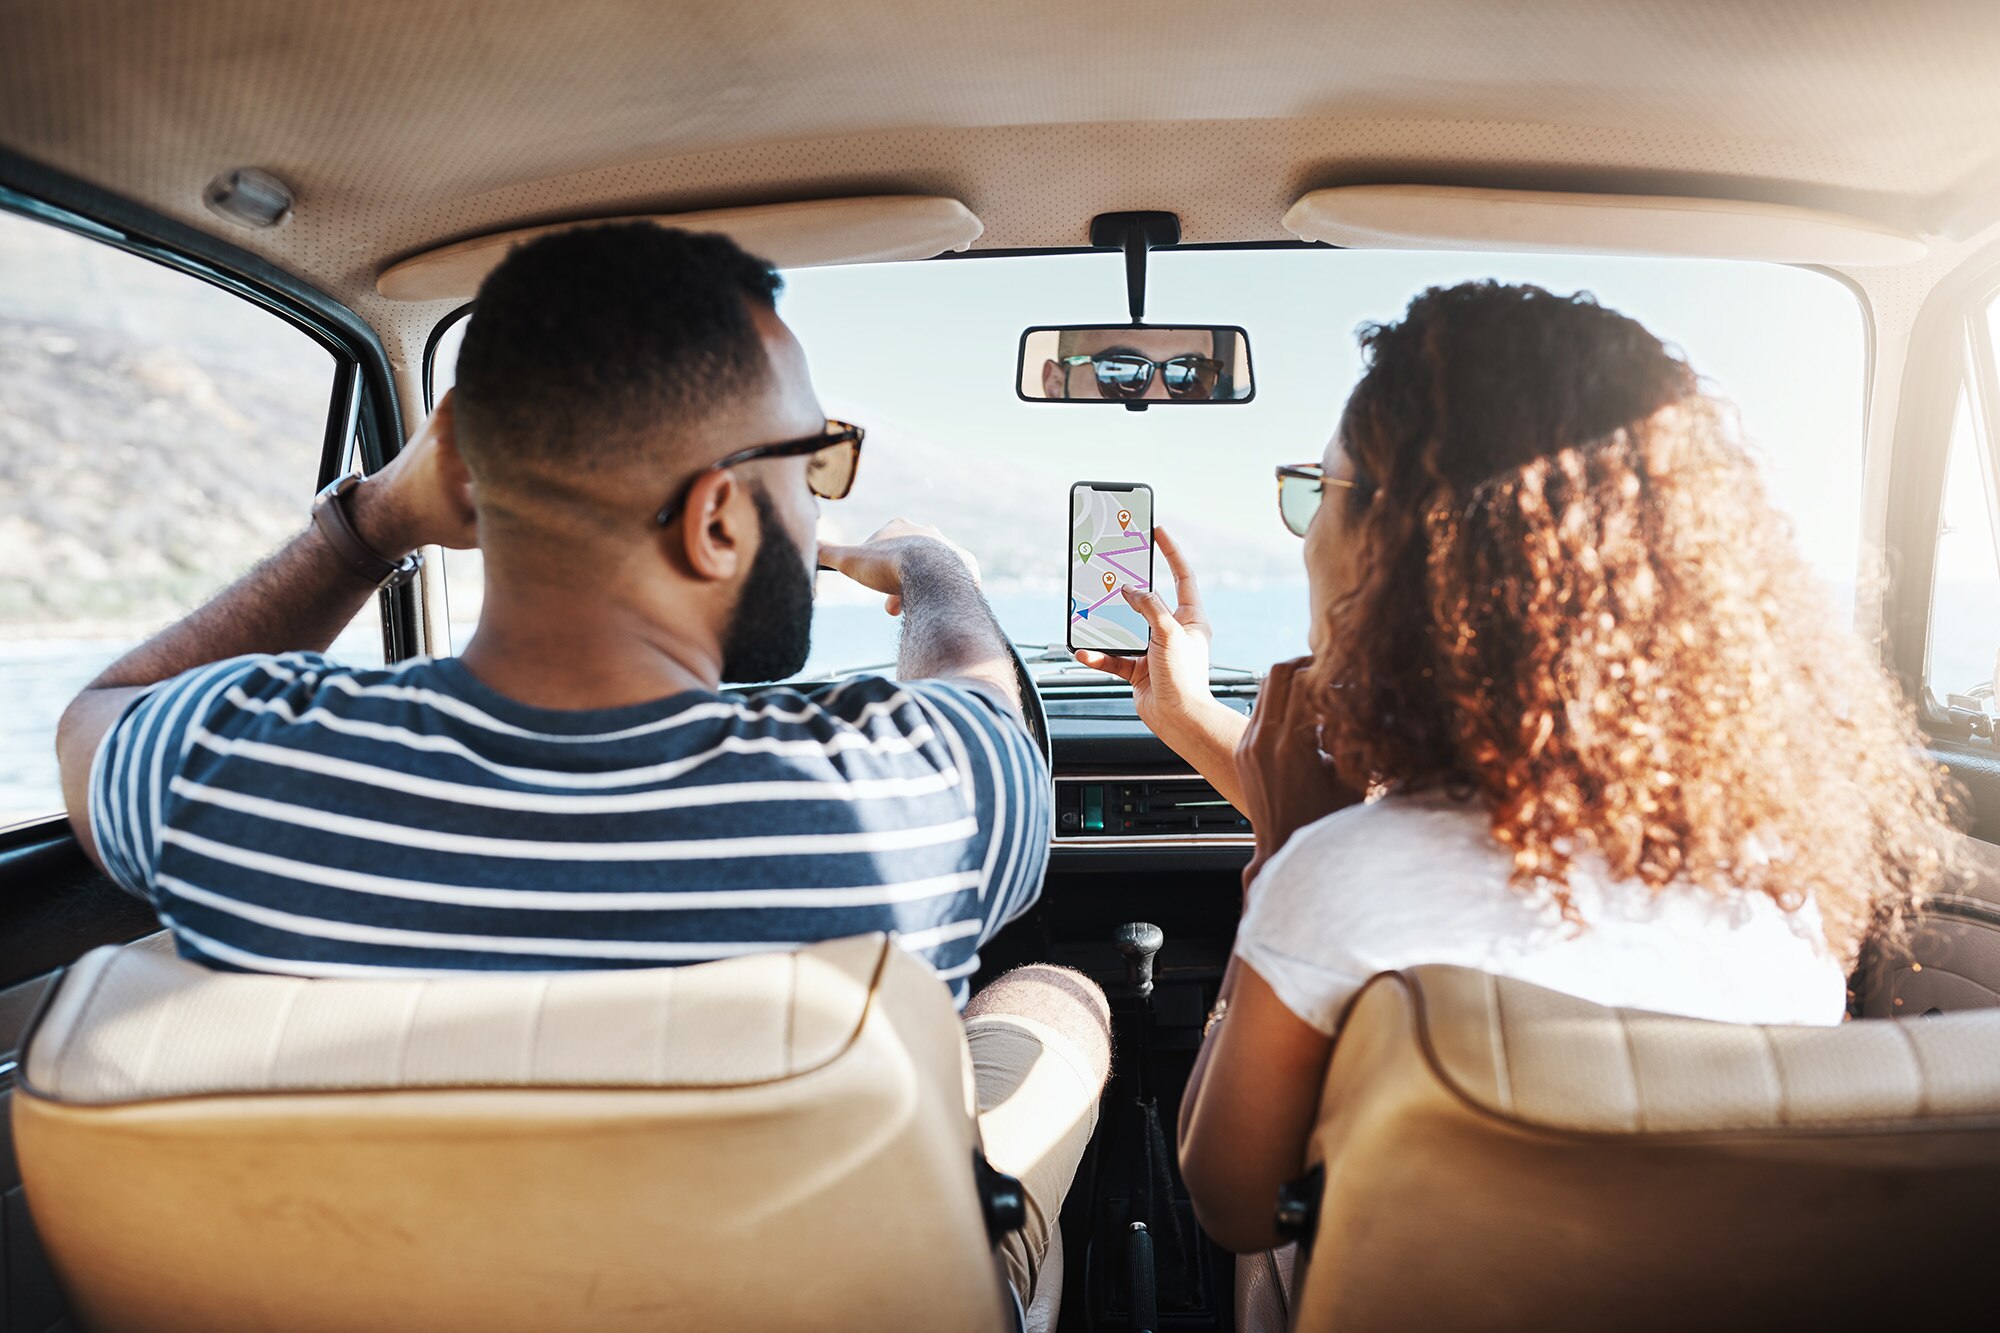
x: 1033, y: 714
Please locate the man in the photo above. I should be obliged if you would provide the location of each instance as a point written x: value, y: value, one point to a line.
x: 1146, y: 364
x: 635, y: 445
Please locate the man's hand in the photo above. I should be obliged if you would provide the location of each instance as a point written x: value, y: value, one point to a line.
x: 423, y: 497
x: 1170, y: 683
x: 1287, y: 782
x: 878, y: 562
x: 949, y: 632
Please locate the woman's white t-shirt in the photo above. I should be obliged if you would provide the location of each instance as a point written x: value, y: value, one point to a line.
x: 1417, y: 879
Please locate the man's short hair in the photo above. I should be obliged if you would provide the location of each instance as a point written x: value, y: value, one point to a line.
x: 586, y: 345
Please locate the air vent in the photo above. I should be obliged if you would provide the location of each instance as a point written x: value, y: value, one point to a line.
x: 1144, y: 807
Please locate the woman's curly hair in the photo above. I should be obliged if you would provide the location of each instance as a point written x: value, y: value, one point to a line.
x: 1574, y: 598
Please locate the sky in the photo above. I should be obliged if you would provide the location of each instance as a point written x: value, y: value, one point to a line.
x: 925, y: 356
x: 930, y: 348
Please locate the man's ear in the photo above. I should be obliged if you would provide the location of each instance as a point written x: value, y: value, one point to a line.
x: 1054, y: 380
x: 451, y: 464
x: 715, y: 527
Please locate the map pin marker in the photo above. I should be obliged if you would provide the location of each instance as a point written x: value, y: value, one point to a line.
x: 1110, y: 580
x: 1083, y: 550
x: 1124, y: 518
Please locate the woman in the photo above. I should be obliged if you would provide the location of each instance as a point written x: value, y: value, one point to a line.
x: 1615, y: 740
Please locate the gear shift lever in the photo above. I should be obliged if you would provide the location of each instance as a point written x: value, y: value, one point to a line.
x: 1139, y: 941
x: 1151, y: 1180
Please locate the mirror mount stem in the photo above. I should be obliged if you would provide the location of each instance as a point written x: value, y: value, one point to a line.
x: 1135, y: 234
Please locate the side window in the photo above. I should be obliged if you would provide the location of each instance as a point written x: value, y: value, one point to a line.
x: 464, y: 571
x: 158, y: 435
x: 1959, y: 664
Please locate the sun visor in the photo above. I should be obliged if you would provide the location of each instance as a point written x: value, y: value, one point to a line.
x: 798, y: 235
x: 1437, y: 217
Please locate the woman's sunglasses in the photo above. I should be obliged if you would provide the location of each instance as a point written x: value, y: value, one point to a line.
x: 1301, y: 486
x: 832, y: 458
x: 1127, y: 375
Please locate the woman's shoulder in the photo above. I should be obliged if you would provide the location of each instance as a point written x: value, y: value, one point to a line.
x: 1426, y: 861
x: 1401, y: 879
x: 1421, y: 827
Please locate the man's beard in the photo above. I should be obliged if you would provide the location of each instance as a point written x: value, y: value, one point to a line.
x: 770, y: 633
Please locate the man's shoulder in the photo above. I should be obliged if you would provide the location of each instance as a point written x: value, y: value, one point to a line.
x: 269, y: 675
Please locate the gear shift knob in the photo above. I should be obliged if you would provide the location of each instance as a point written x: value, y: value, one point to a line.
x: 1139, y: 941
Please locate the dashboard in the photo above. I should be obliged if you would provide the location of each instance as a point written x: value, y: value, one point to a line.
x: 1122, y: 795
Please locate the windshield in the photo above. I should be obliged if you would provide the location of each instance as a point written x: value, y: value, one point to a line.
x: 924, y: 355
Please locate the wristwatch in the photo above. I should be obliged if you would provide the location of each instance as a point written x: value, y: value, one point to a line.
x: 330, y: 515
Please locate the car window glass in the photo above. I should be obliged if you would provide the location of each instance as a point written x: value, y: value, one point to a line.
x: 464, y: 571
x: 158, y: 435
x: 924, y: 355
x: 1965, y: 584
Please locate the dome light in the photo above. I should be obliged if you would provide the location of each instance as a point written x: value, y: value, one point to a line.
x: 249, y: 197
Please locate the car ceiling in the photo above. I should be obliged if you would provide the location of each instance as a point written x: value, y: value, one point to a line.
x: 403, y: 126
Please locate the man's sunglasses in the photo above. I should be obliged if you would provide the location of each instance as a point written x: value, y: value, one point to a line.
x: 833, y: 457
x: 1126, y: 375
x: 1301, y: 486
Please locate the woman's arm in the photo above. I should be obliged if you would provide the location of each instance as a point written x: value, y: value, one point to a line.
x: 1170, y: 683
x: 1255, y: 1091
x: 1249, y: 1111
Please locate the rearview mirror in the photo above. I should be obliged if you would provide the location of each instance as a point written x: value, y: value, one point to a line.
x: 1138, y: 365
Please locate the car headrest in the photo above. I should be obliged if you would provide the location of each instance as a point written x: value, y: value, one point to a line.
x: 781, y: 1141
x: 1549, y: 1060
x: 1496, y: 1155
x: 133, y: 1024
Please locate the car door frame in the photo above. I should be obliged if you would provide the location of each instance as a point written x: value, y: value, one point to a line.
x: 1950, y: 345
x: 51, y: 901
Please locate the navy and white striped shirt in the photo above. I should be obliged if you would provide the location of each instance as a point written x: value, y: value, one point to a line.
x: 287, y: 814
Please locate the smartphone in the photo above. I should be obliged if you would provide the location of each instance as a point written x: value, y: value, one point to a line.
x: 1110, y: 549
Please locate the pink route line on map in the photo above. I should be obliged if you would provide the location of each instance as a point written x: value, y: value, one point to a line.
x: 1105, y: 556
x: 1094, y: 605
x: 1126, y: 572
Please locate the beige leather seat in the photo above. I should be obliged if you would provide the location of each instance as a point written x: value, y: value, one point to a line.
x: 1952, y: 961
x: 1499, y: 1156
x: 777, y: 1142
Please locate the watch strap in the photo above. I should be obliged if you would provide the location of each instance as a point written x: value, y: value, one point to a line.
x: 336, y: 524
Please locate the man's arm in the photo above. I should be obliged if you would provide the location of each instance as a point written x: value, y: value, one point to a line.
x: 300, y: 597
x: 949, y: 632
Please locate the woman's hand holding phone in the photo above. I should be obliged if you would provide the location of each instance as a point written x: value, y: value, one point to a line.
x: 1170, y: 683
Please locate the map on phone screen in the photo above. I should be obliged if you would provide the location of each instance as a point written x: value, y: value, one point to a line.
x: 1111, y: 549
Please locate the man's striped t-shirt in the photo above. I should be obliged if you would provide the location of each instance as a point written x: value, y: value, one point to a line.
x: 287, y: 814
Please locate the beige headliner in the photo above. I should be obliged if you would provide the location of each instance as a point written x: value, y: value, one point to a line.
x: 404, y: 126
x: 799, y: 235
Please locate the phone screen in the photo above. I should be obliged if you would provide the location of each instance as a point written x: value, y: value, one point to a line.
x: 1110, y: 549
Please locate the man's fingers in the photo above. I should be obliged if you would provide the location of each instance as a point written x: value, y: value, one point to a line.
x: 1155, y: 611
x: 893, y: 605
x: 1122, y: 667
x: 864, y: 566
x: 441, y: 421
